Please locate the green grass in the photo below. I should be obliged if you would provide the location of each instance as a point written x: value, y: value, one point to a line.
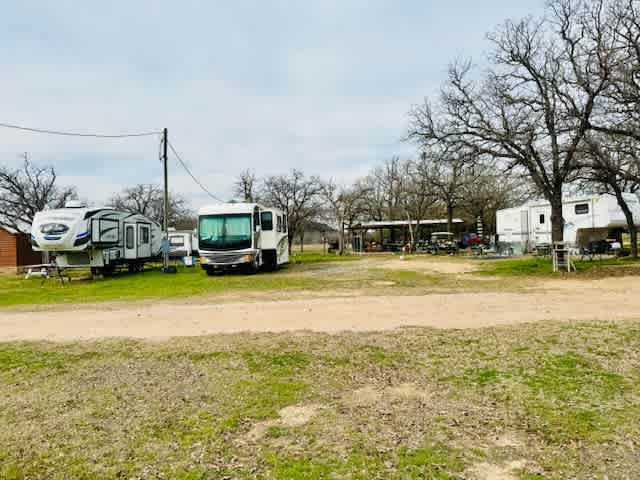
x: 542, y: 266
x: 149, y: 284
x: 15, y: 290
x: 410, y: 404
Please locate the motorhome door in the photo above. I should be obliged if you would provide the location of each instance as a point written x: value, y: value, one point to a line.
x: 144, y: 240
x: 130, y: 241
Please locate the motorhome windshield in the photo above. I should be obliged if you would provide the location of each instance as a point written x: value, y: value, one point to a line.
x: 225, y: 232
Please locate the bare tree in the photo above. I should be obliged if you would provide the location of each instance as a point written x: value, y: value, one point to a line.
x: 610, y: 166
x: 297, y: 196
x: 617, y: 112
x: 245, y: 187
x: 488, y: 192
x: 447, y: 174
x: 147, y: 199
x: 374, y: 203
x: 418, y: 196
x: 28, y: 190
x: 344, y: 205
x: 534, y: 107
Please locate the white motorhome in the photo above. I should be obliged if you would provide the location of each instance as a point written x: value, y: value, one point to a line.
x: 249, y: 235
x: 99, y: 238
x: 587, y: 218
x: 182, y: 243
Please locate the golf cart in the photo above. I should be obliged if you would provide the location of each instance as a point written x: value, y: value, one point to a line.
x: 443, y: 242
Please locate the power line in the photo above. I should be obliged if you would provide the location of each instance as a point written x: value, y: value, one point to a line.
x: 184, y: 165
x: 76, y: 134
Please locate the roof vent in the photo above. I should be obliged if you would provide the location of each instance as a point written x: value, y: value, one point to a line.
x: 75, y: 204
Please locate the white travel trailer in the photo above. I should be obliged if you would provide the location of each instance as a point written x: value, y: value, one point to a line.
x: 249, y: 235
x: 586, y: 219
x: 182, y: 243
x: 99, y: 238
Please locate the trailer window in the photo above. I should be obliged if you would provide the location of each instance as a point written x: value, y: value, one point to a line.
x: 176, y: 241
x: 582, y: 209
x: 145, y: 236
x: 267, y: 221
x: 542, y: 219
x: 129, y: 238
x: 285, y: 224
x: 279, y: 228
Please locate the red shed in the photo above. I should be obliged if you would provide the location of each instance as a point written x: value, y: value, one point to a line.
x: 15, y: 249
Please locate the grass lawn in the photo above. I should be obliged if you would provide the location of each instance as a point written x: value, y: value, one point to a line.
x: 542, y: 266
x: 538, y: 401
x: 15, y: 290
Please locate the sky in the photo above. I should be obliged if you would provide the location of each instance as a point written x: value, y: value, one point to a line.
x: 321, y: 86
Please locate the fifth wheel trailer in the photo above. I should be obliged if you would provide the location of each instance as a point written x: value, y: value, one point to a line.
x: 586, y: 218
x: 242, y: 235
x: 98, y: 238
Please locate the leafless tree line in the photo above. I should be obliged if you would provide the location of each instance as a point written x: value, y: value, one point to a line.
x: 558, y: 104
x: 398, y: 189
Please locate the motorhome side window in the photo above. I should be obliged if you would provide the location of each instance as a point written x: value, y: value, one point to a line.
x: 582, y: 209
x: 267, y: 221
x: 542, y: 219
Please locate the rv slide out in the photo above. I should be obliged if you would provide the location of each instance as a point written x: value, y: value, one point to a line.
x: 98, y: 238
x: 242, y: 235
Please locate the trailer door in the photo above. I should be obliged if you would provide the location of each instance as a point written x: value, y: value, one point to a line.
x: 130, y: 241
x: 144, y: 240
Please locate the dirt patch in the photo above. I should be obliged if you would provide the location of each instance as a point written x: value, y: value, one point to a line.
x: 292, y: 416
x: 363, y: 396
x: 579, y: 301
x: 409, y: 391
x: 429, y: 265
x: 489, y: 471
x: 297, y: 415
x: 508, y: 440
x: 370, y: 395
x: 383, y: 283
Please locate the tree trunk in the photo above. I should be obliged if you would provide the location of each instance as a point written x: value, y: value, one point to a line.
x: 412, y: 238
x: 341, y: 237
x: 557, y: 221
x: 449, y: 218
x: 302, y: 241
x: 628, y: 215
x: 292, y: 236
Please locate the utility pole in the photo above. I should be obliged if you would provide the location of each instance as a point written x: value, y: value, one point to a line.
x: 165, y: 226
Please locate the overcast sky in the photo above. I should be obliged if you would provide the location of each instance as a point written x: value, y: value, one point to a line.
x: 321, y: 86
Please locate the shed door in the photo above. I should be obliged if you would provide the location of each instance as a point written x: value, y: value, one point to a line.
x: 130, y: 241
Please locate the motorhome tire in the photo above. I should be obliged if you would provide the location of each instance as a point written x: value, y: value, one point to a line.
x: 252, y: 267
x: 269, y: 260
x: 211, y: 271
